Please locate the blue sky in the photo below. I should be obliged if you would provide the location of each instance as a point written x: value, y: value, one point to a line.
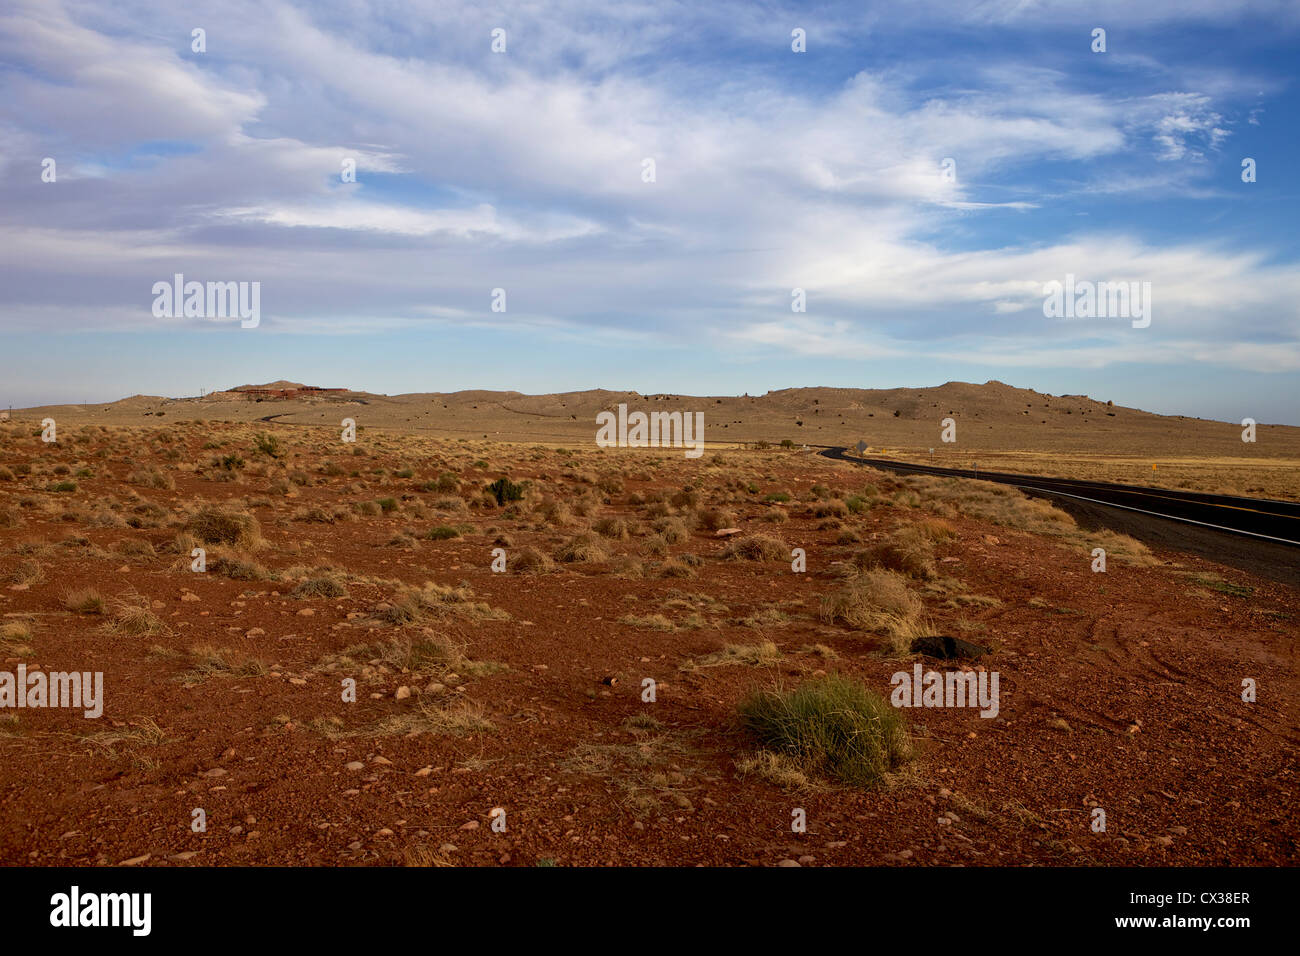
x: 774, y: 170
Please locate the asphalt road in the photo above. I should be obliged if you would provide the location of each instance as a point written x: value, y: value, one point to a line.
x: 1258, y: 535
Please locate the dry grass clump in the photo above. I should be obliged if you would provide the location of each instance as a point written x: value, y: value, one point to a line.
x: 778, y: 769
x: 585, y: 547
x: 207, y: 661
x: 84, y: 601
x: 655, y: 622
x: 715, y: 519
x: 909, y: 552
x: 936, y: 529
x: 14, y: 635
x: 877, y: 600
x: 673, y: 530
x: 626, y: 566
x: 676, y: 568
x: 411, y: 604
x: 236, y: 528
x: 429, y: 717
x: 27, y: 572
x: 755, y: 547
x: 749, y: 655
x: 238, y: 566
x: 528, y: 560
x: 1000, y: 504
x: 315, y: 514
x: 549, y: 511
x: 832, y: 727
x: 1129, y: 550
x: 422, y: 656
x: 134, y: 548
x: 327, y: 585
x: 832, y: 508
x: 131, y: 616
x: 151, y: 478
x: 688, y: 499
x: 615, y: 528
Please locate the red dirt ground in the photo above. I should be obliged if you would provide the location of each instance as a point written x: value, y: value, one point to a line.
x: 1119, y: 690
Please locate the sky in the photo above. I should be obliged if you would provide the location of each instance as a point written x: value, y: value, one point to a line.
x: 648, y: 184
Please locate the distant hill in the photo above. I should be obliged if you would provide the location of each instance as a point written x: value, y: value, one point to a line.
x: 994, y: 416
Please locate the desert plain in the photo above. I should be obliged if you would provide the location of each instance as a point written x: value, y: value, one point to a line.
x: 472, y: 637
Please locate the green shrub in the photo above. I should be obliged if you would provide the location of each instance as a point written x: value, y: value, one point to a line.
x: 832, y: 726
x: 503, y: 489
x: 267, y: 445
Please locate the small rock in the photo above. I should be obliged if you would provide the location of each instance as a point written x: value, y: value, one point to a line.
x: 402, y: 693
x: 355, y: 765
x: 788, y: 862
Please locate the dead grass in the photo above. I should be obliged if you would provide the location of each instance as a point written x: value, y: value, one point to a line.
x: 908, y: 551
x: 427, y: 716
x: 84, y: 601
x: 207, y: 661
x: 131, y: 616
x: 528, y: 560
x: 213, y: 526
x: 584, y: 548
x: 747, y: 655
x: 878, y: 601
x: 756, y: 547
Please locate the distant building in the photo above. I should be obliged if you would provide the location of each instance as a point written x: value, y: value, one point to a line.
x: 303, y: 391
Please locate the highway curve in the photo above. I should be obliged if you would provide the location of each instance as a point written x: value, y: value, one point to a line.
x: 1259, y: 535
